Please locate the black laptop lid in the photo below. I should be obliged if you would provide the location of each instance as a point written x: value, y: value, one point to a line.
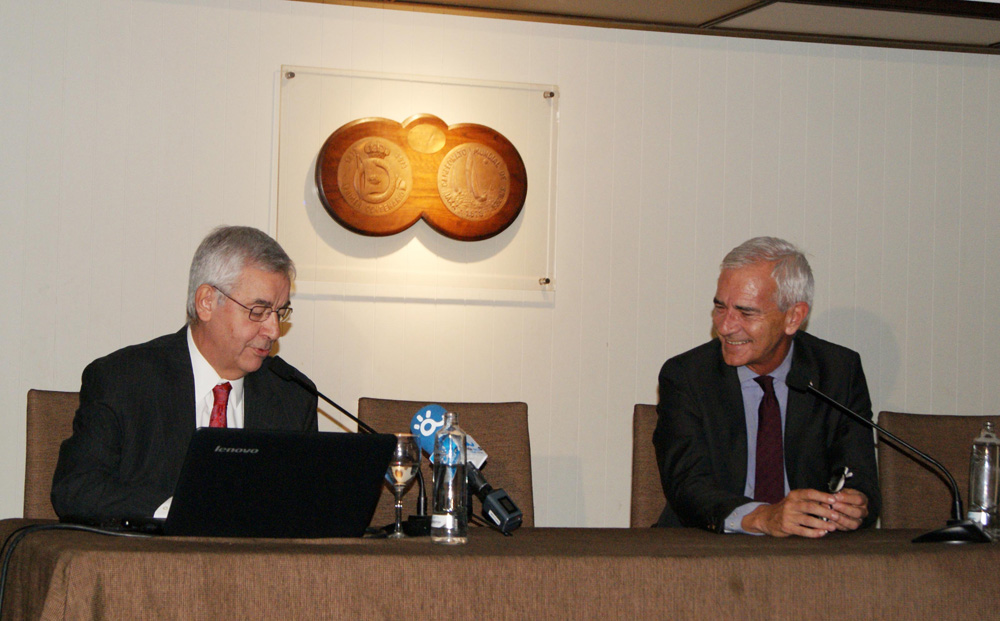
x: 253, y: 483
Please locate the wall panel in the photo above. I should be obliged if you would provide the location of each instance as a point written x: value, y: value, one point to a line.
x: 793, y: 112
x: 653, y: 165
x: 990, y: 364
x: 970, y: 316
x: 890, y: 374
x: 947, y: 222
x: 870, y: 198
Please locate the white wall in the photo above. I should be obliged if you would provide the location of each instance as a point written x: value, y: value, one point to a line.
x: 128, y: 128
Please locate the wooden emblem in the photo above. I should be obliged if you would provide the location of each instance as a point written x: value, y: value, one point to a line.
x: 379, y: 177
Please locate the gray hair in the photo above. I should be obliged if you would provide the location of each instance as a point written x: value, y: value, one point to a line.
x: 791, y: 269
x: 225, y: 252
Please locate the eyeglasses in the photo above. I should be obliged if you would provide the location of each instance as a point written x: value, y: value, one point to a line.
x: 261, y: 313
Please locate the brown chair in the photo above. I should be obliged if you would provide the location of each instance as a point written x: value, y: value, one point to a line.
x: 500, y: 428
x: 50, y: 421
x: 914, y: 495
x: 647, y: 492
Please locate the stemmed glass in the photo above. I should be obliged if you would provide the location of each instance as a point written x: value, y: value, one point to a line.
x: 402, y: 468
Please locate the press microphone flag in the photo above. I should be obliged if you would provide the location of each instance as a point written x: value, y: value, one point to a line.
x: 498, y: 508
x: 426, y: 423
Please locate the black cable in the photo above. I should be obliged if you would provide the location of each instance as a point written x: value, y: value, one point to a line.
x: 13, y: 539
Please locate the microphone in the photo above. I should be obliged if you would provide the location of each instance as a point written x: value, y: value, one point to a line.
x: 290, y: 374
x: 958, y: 529
x: 498, y: 508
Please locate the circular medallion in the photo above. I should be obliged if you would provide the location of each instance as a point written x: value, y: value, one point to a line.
x: 425, y: 138
x: 375, y: 176
x: 473, y: 181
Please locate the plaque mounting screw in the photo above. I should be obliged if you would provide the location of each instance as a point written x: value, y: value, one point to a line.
x: 289, y: 75
x: 544, y: 281
x: 549, y: 94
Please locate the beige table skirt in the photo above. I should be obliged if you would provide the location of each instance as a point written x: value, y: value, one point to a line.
x: 538, y: 573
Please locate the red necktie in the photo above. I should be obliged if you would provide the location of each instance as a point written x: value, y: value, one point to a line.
x: 769, y: 484
x: 221, y: 392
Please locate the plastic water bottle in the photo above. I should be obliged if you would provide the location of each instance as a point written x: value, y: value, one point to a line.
x: 984, y: 479
x: 450, y: 519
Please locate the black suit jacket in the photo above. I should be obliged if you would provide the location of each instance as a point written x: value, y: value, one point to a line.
x: 701, y: 439
x: 136, y: 418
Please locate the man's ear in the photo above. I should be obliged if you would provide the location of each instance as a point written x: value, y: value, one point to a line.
x: 205, y: 299
x: 794, y: 317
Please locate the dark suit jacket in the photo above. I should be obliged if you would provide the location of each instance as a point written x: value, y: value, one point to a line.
x: 701, y: 438
x: 136, y: 418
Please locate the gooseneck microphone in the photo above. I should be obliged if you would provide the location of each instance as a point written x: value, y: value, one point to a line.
x: 958, y: 529
x: 289, y: 373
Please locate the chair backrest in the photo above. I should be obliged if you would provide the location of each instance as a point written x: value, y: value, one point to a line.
x: 500, y: 428
x: 647, y: 492
x: 50, y: 421
x: 914, y: 495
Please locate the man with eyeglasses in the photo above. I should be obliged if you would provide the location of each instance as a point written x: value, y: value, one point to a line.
x: 140, y: 405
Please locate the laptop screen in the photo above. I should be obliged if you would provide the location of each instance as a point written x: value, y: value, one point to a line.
x: 254, y: 483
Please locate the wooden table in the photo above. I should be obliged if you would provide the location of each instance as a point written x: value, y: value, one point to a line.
x: 537, y: 573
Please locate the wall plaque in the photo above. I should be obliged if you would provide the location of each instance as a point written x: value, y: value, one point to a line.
x: 415, y: 162
x: 379, y: 177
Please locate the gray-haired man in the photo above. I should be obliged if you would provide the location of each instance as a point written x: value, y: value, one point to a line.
x: 140, y: 405
x: 737, y: 450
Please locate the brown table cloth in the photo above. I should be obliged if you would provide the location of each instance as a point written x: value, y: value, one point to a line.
x: 537, y: 573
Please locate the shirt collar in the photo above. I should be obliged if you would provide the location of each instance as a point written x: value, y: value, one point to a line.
x: 205, y: 377
x: 779, y: 374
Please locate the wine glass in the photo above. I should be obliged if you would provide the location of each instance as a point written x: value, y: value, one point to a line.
x: 402, y: 468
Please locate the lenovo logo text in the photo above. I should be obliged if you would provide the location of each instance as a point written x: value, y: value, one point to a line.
x: 233, y: 449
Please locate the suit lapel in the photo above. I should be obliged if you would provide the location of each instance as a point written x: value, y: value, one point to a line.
x: 257, y: 401
x: 179, y: 419
x: 800, y: 415
x: 733, y: 424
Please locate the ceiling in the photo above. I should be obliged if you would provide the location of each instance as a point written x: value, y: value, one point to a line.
x: 950, y: 25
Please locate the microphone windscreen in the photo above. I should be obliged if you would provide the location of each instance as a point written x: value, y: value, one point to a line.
x: 281, y: 368
x: 290, y: 374
x: 797, y: 383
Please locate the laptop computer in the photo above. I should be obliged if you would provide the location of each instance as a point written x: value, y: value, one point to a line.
x: 253, y: 483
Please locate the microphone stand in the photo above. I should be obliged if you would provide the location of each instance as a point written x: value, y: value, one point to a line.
x: 285, y: 371
x: 958, y: 529
x: 422, y: 496
x: 360, y: 423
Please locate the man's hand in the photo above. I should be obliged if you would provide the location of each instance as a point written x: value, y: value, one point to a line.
x: 851, y: 507
x: 801, y: 513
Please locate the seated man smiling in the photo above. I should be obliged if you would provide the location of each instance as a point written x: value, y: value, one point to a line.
x: 737, y: 450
